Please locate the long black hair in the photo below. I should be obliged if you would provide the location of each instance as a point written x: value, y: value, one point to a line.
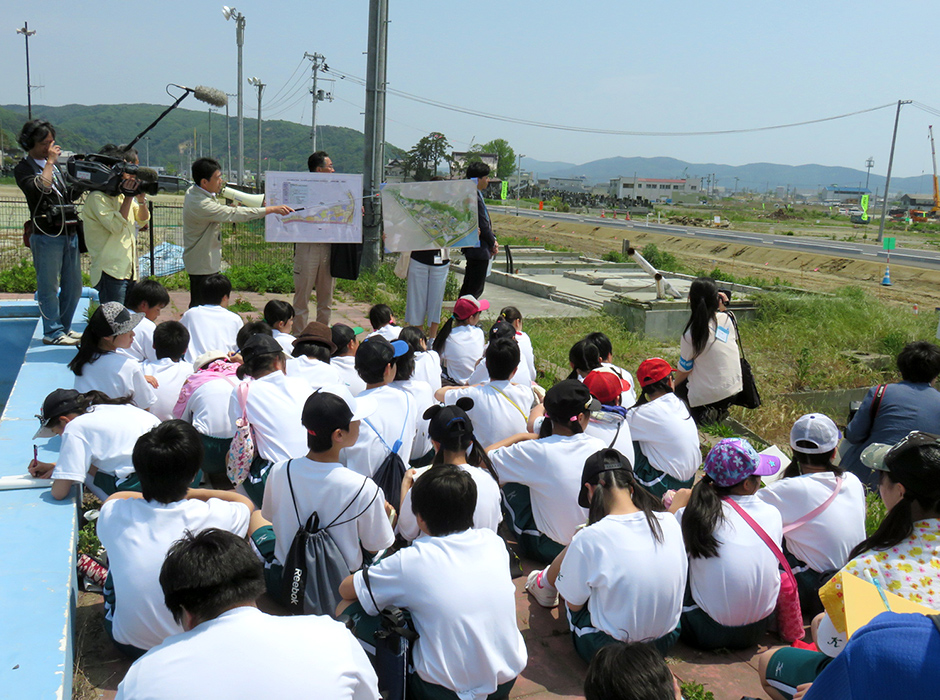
x: 702, y: 516
x: 444, y: 331
x: 898, y: 524
x: 510, y: 314
x: 703, y: 300
x: 260, y: 365
x: 824, y: 461
x: 476, y: 456
x: 583, y: 356
x: 642, y: 499
x: 88, y: 350
x: 600, y: 340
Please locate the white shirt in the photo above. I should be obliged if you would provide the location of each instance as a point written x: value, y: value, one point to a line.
x: 488, y: 512
x: 632, y: 584
x: 495, y: 416
x: 213, y: 661
x: 388, y: 331
x: 481, y: 374
x: 825, y: 541
x: 274, y: 406
x: 551, y: 468
x: 462, y: 350
x: 428, y: 369
x: 316, y: 373
x: 526, y: 352
x: 116, y: 375
x: 345, y: 365
x: 741, y: 584
x: 137, y: 535
x: 207, y: 408
x: 396, y: 418
x: 142, y: 346
x: 462, y: 602
x: 286, y: 340
x: 170, y: 378
x: 211, y: 328
x: 327, y: 489
x: 423, y: 399
x: 716, y: 372
x: 667, y: 435
x: 611, y: 428
x: 103, y: 437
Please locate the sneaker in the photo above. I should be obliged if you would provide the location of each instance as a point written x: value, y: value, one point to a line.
x: 74, y: 334
x: 60, y: 340
x: 539, y: 588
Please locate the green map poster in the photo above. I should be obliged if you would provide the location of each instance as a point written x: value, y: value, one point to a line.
x: 429, y: 215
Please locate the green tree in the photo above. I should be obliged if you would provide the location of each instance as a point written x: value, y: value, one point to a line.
x: 426, y: 155
x: 506, y: 165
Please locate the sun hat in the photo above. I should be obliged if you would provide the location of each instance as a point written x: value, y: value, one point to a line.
x: 605, y: 385
x: 332, y: 407
x: 58, y: 403
x: 607, y: 460
x: 316, y: 332
x: 375, y: 352
x: 468, y: 305
x: 732, y: 460
x: 112, y: 318
x: 914, y: 461
x: 653, y: 370
x: 207, y: 358
x: 814, y: 434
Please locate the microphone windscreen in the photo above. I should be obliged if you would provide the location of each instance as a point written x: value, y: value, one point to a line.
x: 214, y: 97
x: 147, y: 175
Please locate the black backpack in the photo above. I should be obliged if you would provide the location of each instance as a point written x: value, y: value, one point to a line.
x: 391, y: 471
x: 315, y: 566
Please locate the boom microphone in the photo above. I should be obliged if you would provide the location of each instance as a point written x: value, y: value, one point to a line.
x: 214, y: 97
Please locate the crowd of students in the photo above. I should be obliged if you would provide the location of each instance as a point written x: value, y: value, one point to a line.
x: 421, y: 457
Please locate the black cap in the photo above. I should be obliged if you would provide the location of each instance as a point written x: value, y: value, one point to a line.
x: 502, y: 329
x: 376, y: 352
x: 259, y: 344
x: 333, y: 407
x: 448, y: 422
x: 567, y: 400
x: 914, y: 462
x: 59, y: 403
x: 607, y: 460
x: 343, y: 335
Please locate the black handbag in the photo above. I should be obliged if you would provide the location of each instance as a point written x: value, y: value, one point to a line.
x: 749, y: 397
x: 345, y: 259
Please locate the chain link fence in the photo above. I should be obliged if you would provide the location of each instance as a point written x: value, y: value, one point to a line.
x: 159, y: 247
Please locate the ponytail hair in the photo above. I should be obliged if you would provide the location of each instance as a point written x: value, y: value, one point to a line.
x: 510, y: 314
x: 476, y: 457
x: 443, y: 332
x: 703, y: 300
x: 583, y: 357
x: 259, y: 365
x: 702, y: 516
x: 88, y: 350
x: 98, y: 398
x: 642, y: 499
x: 898, y: 524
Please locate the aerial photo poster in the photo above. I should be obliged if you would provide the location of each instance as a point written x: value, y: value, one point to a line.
x: 328, y: 207
x: 428, y: 215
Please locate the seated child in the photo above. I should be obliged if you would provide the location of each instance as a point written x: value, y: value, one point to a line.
x: 137, y: 529
x: 210, y: 582
x: 279, y: 315
x: 98, y: 437
x: 456, y: 585
x: 605, y: 351
x: 383, y: 322
x: 170, y: 341
x: 459, y: 343
x: 343, y: 358
x: 149, y: 298
x: 630, y: 671
x: 512, y: 315
x: 212, y: 326
x: 499, y: 331
x: 310, y: 356
x: 427, y: 362
x: 607, y: 420
x: 317, y: 483
x: 99, y: 367
x: 423, y: 397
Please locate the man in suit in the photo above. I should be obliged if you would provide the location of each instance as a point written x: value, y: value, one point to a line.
x: 55, y: 231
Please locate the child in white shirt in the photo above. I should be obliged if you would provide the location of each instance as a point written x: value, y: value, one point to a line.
x: 512, y: 315
x: 343, y: 359
x: 170, y: 341
x: 427, y: 362
x: 459, y: 341
x: 149, y: 298
x: 383, y: 322
x: 212, y: 326
x: 310, y: 358
x: 280, y: 315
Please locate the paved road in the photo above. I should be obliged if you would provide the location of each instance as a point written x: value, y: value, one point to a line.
x: 927, y: 259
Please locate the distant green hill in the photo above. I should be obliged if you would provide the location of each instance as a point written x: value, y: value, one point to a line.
x: 286, y: 145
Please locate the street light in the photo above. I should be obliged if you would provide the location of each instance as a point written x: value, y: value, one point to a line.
x: 519, y: 157
x: 258, y: 84
x: 24, y: 30
x: 232, y: 13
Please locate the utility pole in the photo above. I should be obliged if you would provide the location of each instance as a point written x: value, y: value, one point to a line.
x: 894, y: 137
x: 258, y: 84
x: 228, y: 136
x: 870, y: 163
x: 24, y: 30
x: 374, y: 129
x: 317, y: 61
x: 211, y: 152
x: 232, y: 13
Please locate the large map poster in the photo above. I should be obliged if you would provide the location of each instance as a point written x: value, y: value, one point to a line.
x: 428, y: 215
x: 328, y: 207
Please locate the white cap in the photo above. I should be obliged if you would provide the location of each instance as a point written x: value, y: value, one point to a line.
x: 814, y: 434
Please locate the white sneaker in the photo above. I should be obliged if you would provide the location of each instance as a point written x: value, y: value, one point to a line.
x: 539, y: 588
x: 74, y: 334
x: 60, y: 340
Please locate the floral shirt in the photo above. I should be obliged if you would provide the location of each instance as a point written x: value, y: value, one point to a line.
x: 910, y: 569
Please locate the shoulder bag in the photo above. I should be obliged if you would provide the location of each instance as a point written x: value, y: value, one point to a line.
x: 242, y: 451
x: 749, y: 396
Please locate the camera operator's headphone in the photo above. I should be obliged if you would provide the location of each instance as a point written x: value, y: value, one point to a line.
x: 27, y: 138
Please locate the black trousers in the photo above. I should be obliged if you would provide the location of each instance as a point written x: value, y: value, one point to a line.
x: 474, y: 278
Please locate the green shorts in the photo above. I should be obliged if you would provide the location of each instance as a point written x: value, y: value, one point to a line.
x: 264, y: 543
x: 517, y: 507
x: 653, y: 480
x: 257, y: 477
x: 214, y: 454
x: 109, y: 484
x: 789, y: 667
x: 588, y: 640
x: 702, y: 632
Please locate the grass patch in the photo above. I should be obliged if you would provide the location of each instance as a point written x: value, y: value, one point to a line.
x: 88, y: 542
x: 263, y: 277
x: 875, y: 511
x: 695, y: 691
x: 384, y: 287
x: 240, y: 305
x: 19, y: 279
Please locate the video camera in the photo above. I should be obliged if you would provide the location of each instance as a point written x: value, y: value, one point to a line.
x: 101, y: 173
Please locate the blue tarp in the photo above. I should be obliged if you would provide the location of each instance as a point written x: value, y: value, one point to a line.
x: 167, y: 259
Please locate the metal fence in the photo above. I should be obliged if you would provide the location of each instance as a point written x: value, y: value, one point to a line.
x: 242, y: 244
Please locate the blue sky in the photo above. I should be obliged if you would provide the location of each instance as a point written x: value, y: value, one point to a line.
x: 664, y: 66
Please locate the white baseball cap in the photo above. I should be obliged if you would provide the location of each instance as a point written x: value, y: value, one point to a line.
x: 814, y: 434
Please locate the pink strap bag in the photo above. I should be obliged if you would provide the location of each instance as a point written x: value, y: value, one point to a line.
x: 815, y: 511
x: 242, y: 451
x: 789, y: 615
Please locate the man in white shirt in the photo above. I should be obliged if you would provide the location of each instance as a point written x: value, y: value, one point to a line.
x: 210, y: 582
x: 211, y: 325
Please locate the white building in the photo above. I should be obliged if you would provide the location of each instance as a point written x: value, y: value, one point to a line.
x: 652, y: 188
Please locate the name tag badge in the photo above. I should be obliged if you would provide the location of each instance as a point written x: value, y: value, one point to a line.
x: 722, y: 334
x: 438, y: 259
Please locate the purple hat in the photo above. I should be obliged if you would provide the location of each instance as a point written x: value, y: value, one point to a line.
x: 732, y: 460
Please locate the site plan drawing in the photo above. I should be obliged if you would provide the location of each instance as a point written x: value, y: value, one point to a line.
x: 329, y: 207
x: 428, y: 215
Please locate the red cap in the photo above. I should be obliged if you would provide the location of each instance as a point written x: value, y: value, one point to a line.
x: 653, y: 370
x: 605, y: 385
x: 468, y: 305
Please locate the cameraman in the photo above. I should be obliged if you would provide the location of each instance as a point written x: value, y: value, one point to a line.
x: 111, y: 234
x: 55, y: 229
